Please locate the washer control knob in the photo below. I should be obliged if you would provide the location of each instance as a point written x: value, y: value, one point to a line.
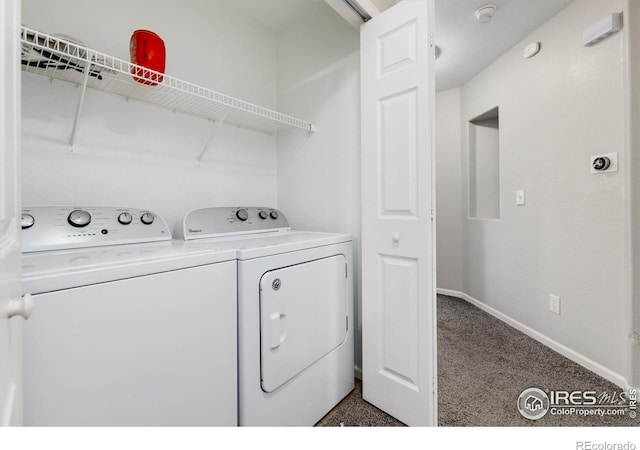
x: 125, y: 218
x: 242, y: 214
x: 263, y: 215
x: 79, y: 218
x: 274, y: 214
x: 27, y: 221
x: 147, y: 218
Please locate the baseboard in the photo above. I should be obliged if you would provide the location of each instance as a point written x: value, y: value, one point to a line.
x: 452, y: 293
x: 565, y: 351
x: 357, y: 371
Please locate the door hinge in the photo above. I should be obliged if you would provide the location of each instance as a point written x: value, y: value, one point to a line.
x: 431, y: 39
x: 432, y: 212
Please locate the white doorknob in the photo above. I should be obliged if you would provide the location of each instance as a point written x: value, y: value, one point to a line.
x: 396, y: 237
x: 22, y: 307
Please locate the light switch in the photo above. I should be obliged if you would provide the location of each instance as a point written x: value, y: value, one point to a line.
x: 554, y: 304
x: 520, y: 197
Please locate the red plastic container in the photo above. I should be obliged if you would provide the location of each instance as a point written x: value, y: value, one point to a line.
x: 147, y: 50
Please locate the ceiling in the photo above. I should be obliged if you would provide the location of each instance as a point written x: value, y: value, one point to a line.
x: 467, y: 46
x: 278, y: 14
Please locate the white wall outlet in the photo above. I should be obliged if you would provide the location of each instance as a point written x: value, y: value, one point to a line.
x: 520, y: 197
x: 554, y: 304
x: 607, y: 162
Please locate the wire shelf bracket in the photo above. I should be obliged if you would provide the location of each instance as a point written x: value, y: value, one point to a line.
x: 216, y: 127
x: 76, y: 118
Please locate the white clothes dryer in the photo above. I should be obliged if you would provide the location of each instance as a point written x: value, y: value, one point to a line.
x: 141, y: 333
x: 295, y: 313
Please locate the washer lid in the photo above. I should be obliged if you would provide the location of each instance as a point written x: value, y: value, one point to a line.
x: 55, y: 270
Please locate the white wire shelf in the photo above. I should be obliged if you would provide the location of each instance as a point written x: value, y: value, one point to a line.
x: 59, y: 58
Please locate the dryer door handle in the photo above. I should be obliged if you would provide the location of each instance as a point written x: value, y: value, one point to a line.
x: 277, y: 333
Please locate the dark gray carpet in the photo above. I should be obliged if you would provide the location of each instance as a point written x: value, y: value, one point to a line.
x: 483, y: 366
x: 353, y: 411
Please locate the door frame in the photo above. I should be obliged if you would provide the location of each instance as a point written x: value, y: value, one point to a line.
x: 10, y: 255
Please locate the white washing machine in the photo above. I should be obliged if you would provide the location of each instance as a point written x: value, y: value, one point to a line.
x: 129, y: 328
x: 295, y: 313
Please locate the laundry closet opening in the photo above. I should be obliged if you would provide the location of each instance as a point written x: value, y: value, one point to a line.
x: 518, y: 204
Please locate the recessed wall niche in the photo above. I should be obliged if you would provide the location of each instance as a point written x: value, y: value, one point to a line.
x: 484, y: 165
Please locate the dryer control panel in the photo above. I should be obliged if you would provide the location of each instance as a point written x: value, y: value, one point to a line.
x: 228, y: 221
x: 66, y: 227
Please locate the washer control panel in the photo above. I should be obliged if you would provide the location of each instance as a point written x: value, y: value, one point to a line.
x: 223, y: 221
x: 65, y: 227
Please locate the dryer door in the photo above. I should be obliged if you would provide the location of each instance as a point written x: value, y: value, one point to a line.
x: 303, y: 317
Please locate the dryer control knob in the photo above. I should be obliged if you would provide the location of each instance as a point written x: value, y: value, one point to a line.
x: 125, y: 218
x: 147, y: 218
x: 274, y: 214
x: 263, y: 215
x: 242, y: 215
x: 79, y: 218
x: 27, y: 221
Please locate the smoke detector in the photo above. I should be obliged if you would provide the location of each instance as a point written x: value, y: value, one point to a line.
x: 485, y: 13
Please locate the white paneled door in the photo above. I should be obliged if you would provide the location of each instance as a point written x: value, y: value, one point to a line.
x: 398, y: 250
x: 10, y: 302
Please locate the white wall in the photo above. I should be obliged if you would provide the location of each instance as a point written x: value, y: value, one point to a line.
x: 129, y: 154
x: 319, y: 175
x: 556, y: 110
x: 449, y: 190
